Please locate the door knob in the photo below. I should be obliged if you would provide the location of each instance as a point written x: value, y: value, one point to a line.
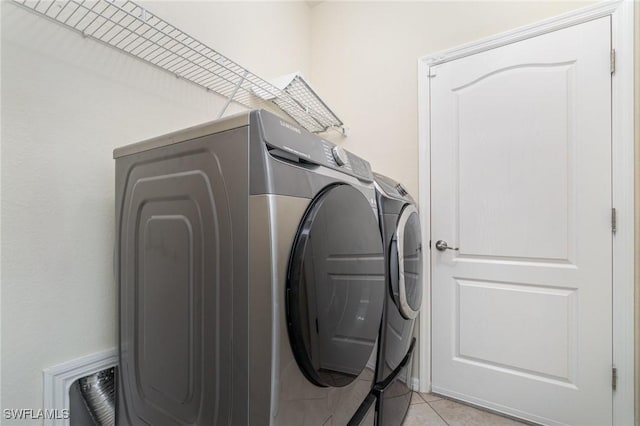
x: 442, y: 246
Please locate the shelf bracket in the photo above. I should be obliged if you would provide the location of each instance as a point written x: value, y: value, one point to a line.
x: 344, y: 131
x: 233, y: 94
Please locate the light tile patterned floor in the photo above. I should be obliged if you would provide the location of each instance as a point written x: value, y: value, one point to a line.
x: 427, y: 409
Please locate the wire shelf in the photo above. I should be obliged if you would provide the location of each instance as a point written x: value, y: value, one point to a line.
x: 134, y: 30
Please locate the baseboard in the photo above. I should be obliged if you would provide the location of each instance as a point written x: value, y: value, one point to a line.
x: 499, y: 409
x: 58, y: 380
x: 414, y: 384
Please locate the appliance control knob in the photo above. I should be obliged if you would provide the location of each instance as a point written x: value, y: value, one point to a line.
x: 340, y: 155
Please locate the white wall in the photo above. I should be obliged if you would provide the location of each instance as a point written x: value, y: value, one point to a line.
x: 268, y: 38
x: 364, y: 61
x: 66, y: 103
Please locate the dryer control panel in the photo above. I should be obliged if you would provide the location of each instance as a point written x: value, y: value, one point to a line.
x: 391, y: 188
x: 295, y: 143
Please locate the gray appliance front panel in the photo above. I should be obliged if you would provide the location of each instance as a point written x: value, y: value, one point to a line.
x: 182, y: 230
x: 391, y: 189
x: 294, y: 140
x: 294, y: 399
x: 395, y: 399
x: 396, y: 331
x: 275, y: 173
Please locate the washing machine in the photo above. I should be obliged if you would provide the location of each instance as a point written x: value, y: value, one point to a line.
x: 401, y: 235
x: 250, y: 270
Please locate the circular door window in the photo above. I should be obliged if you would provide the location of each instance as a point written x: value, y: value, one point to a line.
x: 335, y: 287
x: 409, y: 263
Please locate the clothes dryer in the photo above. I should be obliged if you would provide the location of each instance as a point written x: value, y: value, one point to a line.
x: 401, y: 235
x: 251, y: 277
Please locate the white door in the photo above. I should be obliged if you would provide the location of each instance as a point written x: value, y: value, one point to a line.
x: 521, y: 184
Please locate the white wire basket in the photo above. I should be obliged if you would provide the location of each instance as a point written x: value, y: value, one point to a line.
x: 132, y: 29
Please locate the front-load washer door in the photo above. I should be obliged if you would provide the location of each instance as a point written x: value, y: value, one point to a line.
x: 335, y: 287
x: 406, y: 263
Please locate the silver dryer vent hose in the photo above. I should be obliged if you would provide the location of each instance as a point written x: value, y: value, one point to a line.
x: 98, y: 391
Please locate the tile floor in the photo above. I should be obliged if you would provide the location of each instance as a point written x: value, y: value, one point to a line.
x: 427, y: 409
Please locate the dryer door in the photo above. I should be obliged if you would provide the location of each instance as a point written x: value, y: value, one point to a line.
x: 406, y: 263
x: 335, y: 287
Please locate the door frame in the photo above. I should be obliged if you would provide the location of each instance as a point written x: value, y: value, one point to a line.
x: 622, y: 15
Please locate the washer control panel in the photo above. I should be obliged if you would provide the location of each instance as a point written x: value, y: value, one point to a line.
x: 300, y: 145
x: 340, y: 155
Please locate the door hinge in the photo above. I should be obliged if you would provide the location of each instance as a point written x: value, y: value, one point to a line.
x: 613, y: 61
x: 614, y: 378
x: 614, y: 220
